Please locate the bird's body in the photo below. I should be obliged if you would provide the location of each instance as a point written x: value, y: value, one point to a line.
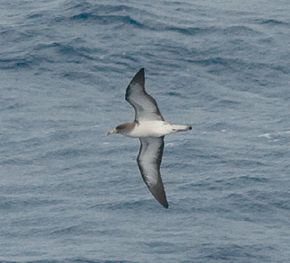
x: 150, y: 127
x: 153, y: 129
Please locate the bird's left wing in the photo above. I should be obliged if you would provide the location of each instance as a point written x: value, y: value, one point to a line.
x: 149, y: 160
x: 144, y: 105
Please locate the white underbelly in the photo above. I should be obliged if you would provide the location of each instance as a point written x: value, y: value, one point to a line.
x: 151, y: 129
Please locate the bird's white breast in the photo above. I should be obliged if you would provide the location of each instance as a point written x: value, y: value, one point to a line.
x: 151, y: 129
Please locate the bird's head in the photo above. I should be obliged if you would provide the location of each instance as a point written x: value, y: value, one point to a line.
x: 113, y: 131
x: 122, y: 129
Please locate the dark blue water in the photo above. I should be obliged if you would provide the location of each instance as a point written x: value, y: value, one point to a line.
x: 68, y: 193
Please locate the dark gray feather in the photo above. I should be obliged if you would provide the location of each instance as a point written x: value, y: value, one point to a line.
x: 149, y: 161
x: 144, y: 105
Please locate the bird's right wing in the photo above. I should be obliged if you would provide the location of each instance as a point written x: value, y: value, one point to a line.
x: 144, y: 105
x: 149, y: 160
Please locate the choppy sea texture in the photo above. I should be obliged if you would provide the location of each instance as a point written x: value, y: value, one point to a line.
x: 68, y: 193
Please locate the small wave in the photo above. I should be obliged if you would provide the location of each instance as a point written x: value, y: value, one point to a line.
x: 175, y: 94
x: 271, y: 22
x: 35, y: 16
x: 190, y: 30
x: 17, y: 63
x: 221, y: 125
x: 94, y: 7
x: 71, y: 260
x: 227, y: 103
x: 240, y: 30
x: 84, y: 260
x: 107, y: 19
x: 215, y: 61
x: 7, y: 104
x: 70, y: 50
x: 132, y: 204
x: 65, y: 153
x: 102, y: 14
x: 122, y: 15
x: 234, y: 253
x: 65, y: 230
x: 265, y: 135
x: 247, y: 203
x: 281, y: 136
x: 15, y: 161
x: 17, y: 203
x: 233, y: 64
x: 225, y: 183
x: 244, y: 180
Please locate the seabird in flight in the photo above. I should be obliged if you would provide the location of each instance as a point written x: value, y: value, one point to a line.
x: 150, y: 127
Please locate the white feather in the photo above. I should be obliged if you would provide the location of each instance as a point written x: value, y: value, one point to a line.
x: 151, y: 129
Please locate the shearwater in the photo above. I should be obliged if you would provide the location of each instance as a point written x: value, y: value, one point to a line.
x: 150, y: 127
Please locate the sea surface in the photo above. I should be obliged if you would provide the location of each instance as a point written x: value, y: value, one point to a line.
x: 69, y: 193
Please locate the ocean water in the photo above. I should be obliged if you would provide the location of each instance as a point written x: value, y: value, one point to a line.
x: 68, y: 193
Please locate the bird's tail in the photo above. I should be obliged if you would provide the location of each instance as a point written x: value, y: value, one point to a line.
x: 180, y: 128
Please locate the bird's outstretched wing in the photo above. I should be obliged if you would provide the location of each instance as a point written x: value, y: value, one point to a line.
x: 149, y: 160
x: 145, y: 106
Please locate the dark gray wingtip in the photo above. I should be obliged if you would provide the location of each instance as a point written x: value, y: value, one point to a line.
x: 139, y: 77
x: 165, y: 205
x: 161, y: 201
x: 160, y: 197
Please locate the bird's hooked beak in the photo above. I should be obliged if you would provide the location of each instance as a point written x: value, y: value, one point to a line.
x: 113, y: 131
